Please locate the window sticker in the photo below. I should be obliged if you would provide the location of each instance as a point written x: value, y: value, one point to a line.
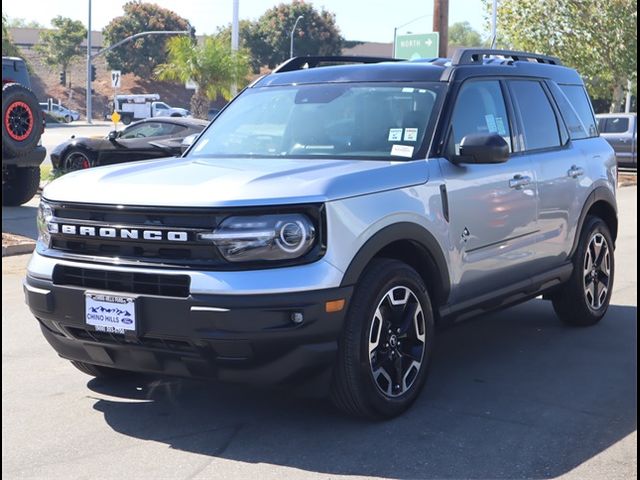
x: 500, y: 125
x: 408, y: 90
x: 402, y: 151
x: 491, y: 123
x: 410, y: 134
x: 395, y: 134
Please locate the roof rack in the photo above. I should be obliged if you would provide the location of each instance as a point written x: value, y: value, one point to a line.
x: 476, y: 56
x: 299, y: 63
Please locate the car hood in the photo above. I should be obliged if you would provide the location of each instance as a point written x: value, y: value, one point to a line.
x: 233, y: 181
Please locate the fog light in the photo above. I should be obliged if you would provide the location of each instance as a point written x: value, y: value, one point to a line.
x: 297, y: 318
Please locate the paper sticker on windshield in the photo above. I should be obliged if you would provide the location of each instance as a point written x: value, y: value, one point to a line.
x: 201, y: 145
x: 410, y: 134
x: 491, y: 123
x: 408, y: 90
x: 402, y: 151
x: 500, y: 126
x: 395, y: 134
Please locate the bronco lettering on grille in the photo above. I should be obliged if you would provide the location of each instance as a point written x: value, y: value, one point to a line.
x: 120, y: 232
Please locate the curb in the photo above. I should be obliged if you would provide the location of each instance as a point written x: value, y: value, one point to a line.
x: 19, y: 249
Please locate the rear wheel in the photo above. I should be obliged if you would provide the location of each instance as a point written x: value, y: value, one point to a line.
x: 126, y: 119
x: 68, y: 119
x: 97, y: 371
x: 585, y: 298
x: 385, y: 349
x: 76, y: 160
x: 19, y: 184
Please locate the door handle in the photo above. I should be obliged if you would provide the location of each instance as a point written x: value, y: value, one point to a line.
x: 575, y: 171
x: 519, y: 182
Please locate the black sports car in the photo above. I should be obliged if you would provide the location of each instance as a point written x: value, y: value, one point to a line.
x: 147, y: 139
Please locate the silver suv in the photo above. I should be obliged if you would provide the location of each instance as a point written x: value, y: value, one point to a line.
x: 328, y: 219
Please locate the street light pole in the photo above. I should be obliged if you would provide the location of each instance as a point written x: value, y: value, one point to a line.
x: 89, y: 106
x: 292, y: 32
x: 235, y: 37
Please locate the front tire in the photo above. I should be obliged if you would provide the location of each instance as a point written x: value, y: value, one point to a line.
x: 385, y: 348
x: 584, y: 299
x: 77, y: 159
x: 19, y: 184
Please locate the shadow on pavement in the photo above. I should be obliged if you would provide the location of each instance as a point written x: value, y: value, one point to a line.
x: 20, y: 220
x: 511, y: 395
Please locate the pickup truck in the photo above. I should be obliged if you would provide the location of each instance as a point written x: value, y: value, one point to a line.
x: 138, y: 107
x: 621, y: 131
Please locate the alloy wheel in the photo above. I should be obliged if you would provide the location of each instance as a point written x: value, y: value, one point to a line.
x: 397, y: 341
x: 597, y: 271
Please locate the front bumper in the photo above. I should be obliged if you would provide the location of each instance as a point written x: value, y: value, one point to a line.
x: 236, y: 338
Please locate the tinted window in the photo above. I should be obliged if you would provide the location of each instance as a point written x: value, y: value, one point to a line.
x: 480, y: 108
x: 148, y: 129
x: 614, y: 125
x: 578, y: 97
x: 577, y: 129
x: 539, y: 123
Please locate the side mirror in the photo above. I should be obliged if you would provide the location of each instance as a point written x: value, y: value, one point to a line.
x: 187, y: 142
x: 480, y: 148
x: 113, y: 135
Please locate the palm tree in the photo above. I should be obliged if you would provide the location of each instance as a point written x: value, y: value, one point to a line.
x: 211, y: 65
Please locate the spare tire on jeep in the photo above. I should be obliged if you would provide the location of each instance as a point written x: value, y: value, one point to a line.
x: 22, y: 123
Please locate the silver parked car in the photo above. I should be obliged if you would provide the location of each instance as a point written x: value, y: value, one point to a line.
x: 332, y: 214
x: 621, y: 131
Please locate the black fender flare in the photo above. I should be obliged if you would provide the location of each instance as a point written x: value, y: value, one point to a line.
x: 402, y: 231
x: 599, y: 194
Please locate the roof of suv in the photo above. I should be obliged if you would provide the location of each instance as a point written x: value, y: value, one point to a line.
x: 466, y: 63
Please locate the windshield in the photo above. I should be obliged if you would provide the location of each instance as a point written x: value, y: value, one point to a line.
x: 368, y: 121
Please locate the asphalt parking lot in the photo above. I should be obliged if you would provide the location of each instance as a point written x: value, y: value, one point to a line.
x: 511, y: 395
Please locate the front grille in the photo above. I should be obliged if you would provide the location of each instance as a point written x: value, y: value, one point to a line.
x: 148, y: 342
x: 126, y: 282
x: 191, y: 252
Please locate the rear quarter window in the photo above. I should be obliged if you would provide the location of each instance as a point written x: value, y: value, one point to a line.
x: 15, y: 71
x: 579, y: 99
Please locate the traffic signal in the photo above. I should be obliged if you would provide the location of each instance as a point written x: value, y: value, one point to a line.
x: 63, y: 78
x: 192, y: 34
x: 93, y: 73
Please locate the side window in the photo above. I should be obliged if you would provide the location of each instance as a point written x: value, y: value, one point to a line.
x: 539, y: 122
x: 578, y: 97
x: 614, y: 125
x: 480, y: 108
x: 577, y: 129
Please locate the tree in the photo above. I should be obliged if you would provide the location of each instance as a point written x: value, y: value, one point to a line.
x: 8, y: 48
x: 211, y: 65
x: 597, y: 37
x: 142, y: 55
x: 58, y: 47
x: 462, y: 34
x: 316, y: 34
x: 23, y: 23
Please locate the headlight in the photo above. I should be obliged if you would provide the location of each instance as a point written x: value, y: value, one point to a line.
x: 45, y: 227
x: 264, y: 238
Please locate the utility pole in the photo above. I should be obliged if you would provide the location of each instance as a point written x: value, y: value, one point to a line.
x: 441, y: 25
x: 89, y: 107
x: 494, y: 24
x: 235, y: 36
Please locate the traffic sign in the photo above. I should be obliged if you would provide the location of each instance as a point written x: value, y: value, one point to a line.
x: 421, y: 45
x: 115, y: 117
x: 116, y: 77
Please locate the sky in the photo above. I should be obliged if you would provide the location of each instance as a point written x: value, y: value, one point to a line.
x: 365, y: 20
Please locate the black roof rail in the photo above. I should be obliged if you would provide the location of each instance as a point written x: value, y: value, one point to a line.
x: 298, y: 63
x: 475, y: 56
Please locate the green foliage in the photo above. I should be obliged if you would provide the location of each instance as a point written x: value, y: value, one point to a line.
x: 142, y: 55
x: 59, y: 47
x: 597, y: 37
x: 269, y: 39
x: 211, y: 65
x: 8, y: 48
x: 462, y: 34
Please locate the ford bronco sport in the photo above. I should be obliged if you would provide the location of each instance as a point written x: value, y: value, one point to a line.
x: 327, y: 219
